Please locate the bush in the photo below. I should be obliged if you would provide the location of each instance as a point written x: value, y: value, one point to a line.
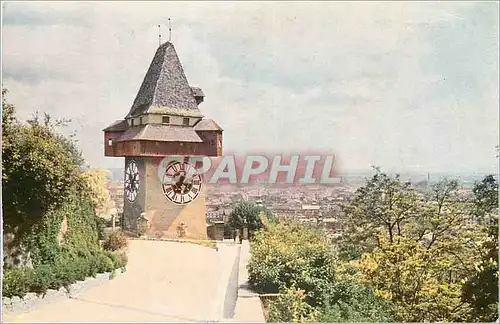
x: 115, y: 241
x: 101, y: 226
x: 42, y: 186
x: 17, y: 282
x: 291, y: 307
x: 44, y: 278
x: 353, y: 301
x: 119, y: 259
x: 104, y: 263
x: 68, y: 269
x: 286, y: 255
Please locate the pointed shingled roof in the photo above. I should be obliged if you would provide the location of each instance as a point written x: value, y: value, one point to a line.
x: 207, y: 125
x: 165, y: 87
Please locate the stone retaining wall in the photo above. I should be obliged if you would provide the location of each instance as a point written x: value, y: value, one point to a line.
x: 30, y: 301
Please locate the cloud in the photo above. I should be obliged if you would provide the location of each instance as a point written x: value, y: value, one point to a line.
x: 391, y: 84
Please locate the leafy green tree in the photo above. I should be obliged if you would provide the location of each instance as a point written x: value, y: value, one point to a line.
x: 485, y: 197
x: 415, y: 250
x: 95, y: 179
x: 246, y: 213
x: 383, y: 204
x: 9, y: 120
x: 287, y: 257
x: 481, y: 289
x: 38, y: 170
x: 419, y: 282
x: 47, y: 208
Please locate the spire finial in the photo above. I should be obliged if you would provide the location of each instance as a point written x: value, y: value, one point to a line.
x: 169, y: 31
x: 159, y: 35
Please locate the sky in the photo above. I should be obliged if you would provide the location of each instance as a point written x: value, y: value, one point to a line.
x: 406, y: 86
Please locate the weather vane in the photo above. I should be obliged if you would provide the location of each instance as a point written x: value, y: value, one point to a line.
x: 159, y: 35
x: 169, y: 31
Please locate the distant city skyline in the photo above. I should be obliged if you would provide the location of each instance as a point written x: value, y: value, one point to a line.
x: 409, y: 87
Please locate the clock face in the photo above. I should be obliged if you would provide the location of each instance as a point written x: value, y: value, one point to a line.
x: 181, y: 183
x: 131, y: 181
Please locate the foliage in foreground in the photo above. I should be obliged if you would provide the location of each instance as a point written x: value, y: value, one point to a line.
x: 287, y: 258
x: 481, y: 289
x: 65, y: 271
x: 115, y: 241
x: 292, y: 307
x: 291, y: 255
x: 403, y: 256
x: 418, y: 252
x: 49, y: 208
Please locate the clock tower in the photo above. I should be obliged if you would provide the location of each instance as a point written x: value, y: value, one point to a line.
x: 164, y: 199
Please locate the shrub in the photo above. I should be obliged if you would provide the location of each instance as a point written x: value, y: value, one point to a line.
x: 104, y: 263
x: 353, y: 301
x: 17, y: 282
x: 115, y: 241
x: 44, y: 278
x: 119, y: 259
x: 101, y: 226
x: 292, y: 307
x: 67, y: 269
x: 286, y: 255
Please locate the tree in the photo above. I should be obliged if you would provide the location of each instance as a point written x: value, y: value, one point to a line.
x: 383, y: 204
x: 485, y: 197
x: 287, y: 257
x: 39, y: 170
x: 481, y: 290
x: 419, y: 282
x: 95, y: 179
x: 246, y: 213
x: 9, y: 119
x: 415, y: 250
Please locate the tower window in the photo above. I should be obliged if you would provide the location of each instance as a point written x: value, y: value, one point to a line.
x: 185, y: 121
x: 165, y: 119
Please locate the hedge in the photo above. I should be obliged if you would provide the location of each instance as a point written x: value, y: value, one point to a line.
x: 64, y: 272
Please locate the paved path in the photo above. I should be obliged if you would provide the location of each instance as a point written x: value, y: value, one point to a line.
x: 248, y: 306
x: 164, y: 282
